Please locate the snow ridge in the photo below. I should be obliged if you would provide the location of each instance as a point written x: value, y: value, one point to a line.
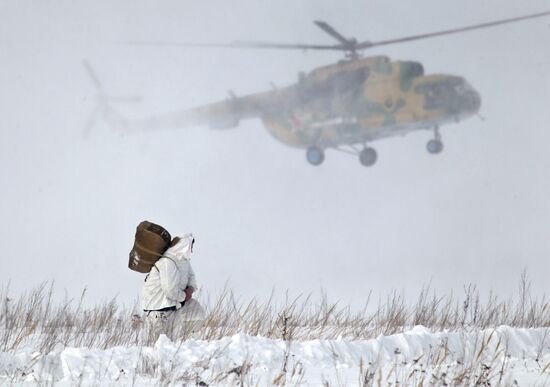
x: 500, y: 354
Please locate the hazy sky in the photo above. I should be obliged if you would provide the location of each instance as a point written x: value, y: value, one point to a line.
x: 263, y: 217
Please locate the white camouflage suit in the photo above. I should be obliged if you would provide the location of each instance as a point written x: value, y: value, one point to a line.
x: 165, y: 288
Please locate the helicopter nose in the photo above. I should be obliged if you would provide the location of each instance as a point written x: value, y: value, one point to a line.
x: 467, y: 99
x: 471, y: 101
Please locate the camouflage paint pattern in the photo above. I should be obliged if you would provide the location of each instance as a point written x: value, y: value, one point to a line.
x: 394, y: 99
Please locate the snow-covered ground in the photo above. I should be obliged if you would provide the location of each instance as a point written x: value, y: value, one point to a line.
x: 505, y: 356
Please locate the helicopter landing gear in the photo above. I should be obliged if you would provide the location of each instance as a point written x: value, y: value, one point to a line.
x: 435, y: 145
x: 315, y: 155
x: 368, y: 156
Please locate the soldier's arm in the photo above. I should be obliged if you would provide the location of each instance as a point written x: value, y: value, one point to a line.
x: 169, y: 279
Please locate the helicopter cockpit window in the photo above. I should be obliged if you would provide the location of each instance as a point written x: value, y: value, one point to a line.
x: 416, y: 69
x: 440, y: 94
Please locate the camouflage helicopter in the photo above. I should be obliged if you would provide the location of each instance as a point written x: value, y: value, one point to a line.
x: 343, y: 106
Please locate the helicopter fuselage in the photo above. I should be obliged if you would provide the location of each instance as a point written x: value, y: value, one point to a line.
x: 363, y: 100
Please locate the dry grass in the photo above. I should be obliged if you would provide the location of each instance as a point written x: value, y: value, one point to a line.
x: 35, y: 319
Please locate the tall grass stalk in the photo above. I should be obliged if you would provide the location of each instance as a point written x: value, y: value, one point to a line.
x: 33, y: 320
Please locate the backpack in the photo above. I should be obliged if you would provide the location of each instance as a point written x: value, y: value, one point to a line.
x: 151, y: 241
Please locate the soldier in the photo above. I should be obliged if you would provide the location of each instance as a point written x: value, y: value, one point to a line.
x: 167, y: 295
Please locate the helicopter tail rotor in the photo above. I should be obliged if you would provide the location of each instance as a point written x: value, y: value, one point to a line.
x: 103, y: 108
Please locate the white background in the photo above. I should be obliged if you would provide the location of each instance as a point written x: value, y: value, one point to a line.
x: 263, y: 218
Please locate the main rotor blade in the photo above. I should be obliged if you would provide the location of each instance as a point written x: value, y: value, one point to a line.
x: 238, y: 44
x: 346, y: 44
x: 367, y: 44
x: 299, y: 46
x: 332, y: 32
x: 175, y: 44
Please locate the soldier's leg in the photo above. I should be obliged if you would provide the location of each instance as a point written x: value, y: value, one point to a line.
x: 160, y: 323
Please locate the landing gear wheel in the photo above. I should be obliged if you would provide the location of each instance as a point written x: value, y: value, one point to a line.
x: 368, y: 157
x: 434, y: 146
x: 314, y: 155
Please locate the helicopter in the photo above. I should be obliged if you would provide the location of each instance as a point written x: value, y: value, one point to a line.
x: 343, y: 106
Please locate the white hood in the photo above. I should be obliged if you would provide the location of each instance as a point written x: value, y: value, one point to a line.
x: 182, y: 249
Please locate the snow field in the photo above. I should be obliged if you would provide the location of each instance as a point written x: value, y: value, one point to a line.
x: 501, y: 356
x: 297, y: 341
